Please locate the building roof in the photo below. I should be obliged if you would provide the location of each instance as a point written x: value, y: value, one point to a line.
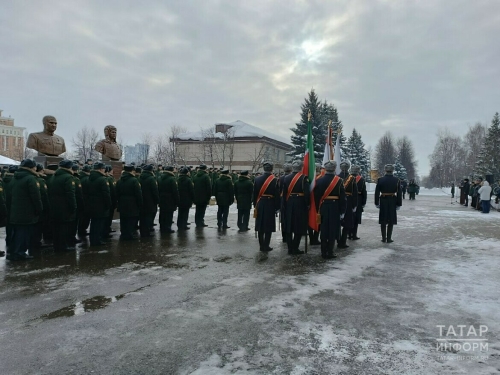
x: 241, y: 130
x: 4, y: 160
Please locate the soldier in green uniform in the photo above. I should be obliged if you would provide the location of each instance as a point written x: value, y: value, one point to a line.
x: 7, y: 179
x: 243, y: 192
x: 224, y: 194
x: 84, y: 219
x: 150, y: 200
x: 80, y: 206
x: 202, y: 194
x: 26, y: 207
x: 99, y: 203
x: 186, y: 198
x: 62, y: 198
x: 48, y: 225
x: 112, y: 191
x: 37, y: 236
x: 128, y: 191
x: 169, y: 199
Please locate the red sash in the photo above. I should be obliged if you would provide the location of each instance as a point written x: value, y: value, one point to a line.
x: 264, y: 188
x: 358, y: 178
x: 328, y: 190
x: 292, y: 184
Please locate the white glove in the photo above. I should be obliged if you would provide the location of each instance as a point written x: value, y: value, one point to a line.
x: 342, y: 216
x: 397, y: 208
x: 377, y: 205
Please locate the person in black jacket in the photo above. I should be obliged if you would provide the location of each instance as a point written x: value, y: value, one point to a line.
x: 351, y: 192
x: 186, y: 197
x: 388, y: 200
x: 362, y: 197
x: 169, y: 199
x: 99, y: 203
x: 129, y: 194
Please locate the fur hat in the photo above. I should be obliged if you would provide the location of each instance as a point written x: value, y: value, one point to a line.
x: 128, y: 168
x: 287, y: 167
x: 297, y: 166
x: 268, y: 166
x: 331, y: 166
x: 344, y: 166
x: 28, y: 163
x: 389, y: 168
x: 355, y: 169
x: 99, y: 165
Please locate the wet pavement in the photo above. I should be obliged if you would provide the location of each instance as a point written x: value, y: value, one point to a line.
x: 207, y: 302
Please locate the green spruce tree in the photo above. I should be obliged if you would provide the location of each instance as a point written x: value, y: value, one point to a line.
x: 356, y: 153
x: 400, y: 170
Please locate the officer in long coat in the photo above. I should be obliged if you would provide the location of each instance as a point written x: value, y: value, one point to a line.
x: 84, y: 215
x: 150, y: 200
x: 64, y: 207
x: 202, y: 194
x: 266, y: 202
x: 99, y: 203
x: 351, y: 192
x: 112, y: 192
x: 169, y: 199
x: 243, y: 191
x: 224, y: 195
x: 388, y: 199
x: 330, y: 202
x: 186, y: 198
x: 25, y: 208
x: 362, y: 197
x: 80, y: 206
x: 296, y: 207
x: 129, y: 195
x: 287, y: 169
x: 44, y: 217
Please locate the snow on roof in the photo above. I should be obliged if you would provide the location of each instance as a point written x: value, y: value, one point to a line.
x: 241, y: 130
x: 7, y: 161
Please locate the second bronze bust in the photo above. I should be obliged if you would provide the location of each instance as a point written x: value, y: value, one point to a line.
x: 108, y: 146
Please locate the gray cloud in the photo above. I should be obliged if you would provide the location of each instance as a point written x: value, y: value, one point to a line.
x: 409, y: 67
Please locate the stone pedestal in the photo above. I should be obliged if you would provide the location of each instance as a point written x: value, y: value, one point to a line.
x: 117, y: 168
x: 46, y: 160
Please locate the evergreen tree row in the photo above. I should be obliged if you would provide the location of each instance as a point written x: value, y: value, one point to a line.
x: 488, y: 161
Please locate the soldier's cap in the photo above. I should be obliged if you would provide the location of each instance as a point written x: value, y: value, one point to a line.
x: 5, y: 167
x: 355, y: 169
x: 331, y: 166
x: 287, y: 167
x: 99, y: 165
x: 138, y: 169
x: 132, y: 164
x: 466, y: 179
x: 297, y: 165
x: 148, y: 168
x: 75, y: 167
x: 13, y: 168
x: 225, y: 171
x: 28, y: 163
x: 345, y: 165
x: 52, y: 167
x: 108, y: 168
x: 244, y: 173
x: 39, y: 167
x: 169, y: 168
x: 202, y: 167
x: 89, y: 160
x: 184, y: 170
x: 389, y: 168
x: 65, y: 163
x: 87, y: 168
x: 128, y: 168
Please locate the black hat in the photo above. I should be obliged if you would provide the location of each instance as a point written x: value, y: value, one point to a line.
x: 128, y: 168
x: 244, y: 173
x: 28, y: 163
x: 132, y: 164
x: 148, y: 168
x: 168, y: 168
x: 138, y: 170
x: 99, y: 165
x: 75, y: 167
x: 108, y: 168
x: 66, y: 163
x: 5, y: 167
x: 225, y: 171
x: 39, y: 167
x: 184, y: 170
x: 52, y: 167
x: 13, y: 168
x: 87, y: 168
x: 202, y: 167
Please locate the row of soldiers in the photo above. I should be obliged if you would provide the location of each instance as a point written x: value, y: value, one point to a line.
x: 57, y: 206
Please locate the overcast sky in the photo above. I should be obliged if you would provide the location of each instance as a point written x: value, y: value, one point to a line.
x: 405, y: 66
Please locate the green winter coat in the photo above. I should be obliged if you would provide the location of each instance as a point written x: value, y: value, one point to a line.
x: 224, y: 190
x: 169, y: 193
x: 243, y: 190
x: 186, y: 191
x: 112, y: 191
x: 25, y: 200
x: 80, y: 204
x: 84, y: 180
x: 3, y: 206
x: 62, y: 196
x: 99, y: 195
x: 7, y: 186
x: 44, y: 193
x: 150, y: 195
x: 202, y: 187
x: 129, y: 194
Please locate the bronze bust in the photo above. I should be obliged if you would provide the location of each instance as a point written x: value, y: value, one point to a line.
x: 108, y: 146
x: 46, y: 142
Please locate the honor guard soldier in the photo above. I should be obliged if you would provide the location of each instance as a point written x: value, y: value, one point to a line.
x: 169, y: 199
x: 186, y: 198
x: 388, y: 199
x: 99, y: 203
x: 330, y: 202
x: 266, y: 202
x: 25, y: 208
x: 224, y: 195
x: 362, y: 196
x: 351, y: 192
x: 313, y: 234
x: 129, y: 194
x: 150, y: 200
x: 296, y: 203
x: 243, y: 190
x: 202, y: 195
x: 287, y: 169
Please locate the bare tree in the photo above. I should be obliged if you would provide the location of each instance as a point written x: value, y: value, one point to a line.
x: 473, y: 143
x: 144, y: 147
x: 173, y: 136
x: 84, y: 143
x: 257, y: 156
x: 385, y: 152
x: 160, y: 151
x: 208, y: 146
x: 447, y: 164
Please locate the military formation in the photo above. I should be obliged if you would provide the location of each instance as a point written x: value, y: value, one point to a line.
x: 61, y: 204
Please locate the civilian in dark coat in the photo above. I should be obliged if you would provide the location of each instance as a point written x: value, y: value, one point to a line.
x: 388, y: 200
x: 224, y: 195
x: 243, y: 190
x: 186, y: 197
x: 129, y: 194
x: 266, y: 205
x: 331, y: 209
x: 150, y: 200
x: 296, y: 203
x: 99, y: 203
x: 351, y: 192
x: 362, y: 196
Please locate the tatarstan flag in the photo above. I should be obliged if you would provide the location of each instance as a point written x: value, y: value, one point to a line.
x: 309, y: 170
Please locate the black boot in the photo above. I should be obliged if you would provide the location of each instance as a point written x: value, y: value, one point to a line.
x: 324, y: 249
x: 330, y: 254
x: 343, y: 239
x: 389, y: 233
x: 355, y: 233
x: 383, y: 229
